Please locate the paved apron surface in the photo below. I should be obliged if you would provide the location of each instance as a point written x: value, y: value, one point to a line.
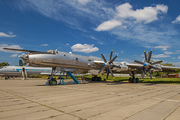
x: 32, y: 100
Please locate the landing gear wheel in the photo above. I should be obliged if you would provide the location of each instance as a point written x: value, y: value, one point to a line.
x: 134, y: 80
x: 130, y: 80
x: 137, y: 80
x: 52, y: 82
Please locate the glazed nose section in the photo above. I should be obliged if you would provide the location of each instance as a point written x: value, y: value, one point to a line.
x: 25, y: 57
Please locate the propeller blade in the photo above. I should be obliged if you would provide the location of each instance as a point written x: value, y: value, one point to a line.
x: 145, y: 56
x: 157, y: 62
x: 150, y: 74
x: 155, y: 67
x: 107, y: 73
x: 103, y: 58
x: 139, y: 62
x: 143, y: 75
x: 144, y: 72
x: 111, y: 54
x: 113, y: 59
x: 149, y: 56
x: 111, y: 71
x: 102, y: 69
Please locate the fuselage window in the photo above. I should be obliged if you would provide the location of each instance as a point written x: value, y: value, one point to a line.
x: 65, y: 55
x: 76, y: 58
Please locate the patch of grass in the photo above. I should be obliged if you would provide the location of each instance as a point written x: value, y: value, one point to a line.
x: 145, y: 80
x: 161, y: 80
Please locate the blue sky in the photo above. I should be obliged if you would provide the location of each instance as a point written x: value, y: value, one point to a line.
x: 91, y: 27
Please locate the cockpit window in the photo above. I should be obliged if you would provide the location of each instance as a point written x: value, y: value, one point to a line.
x: 51, y: 51
x: 26, y: 56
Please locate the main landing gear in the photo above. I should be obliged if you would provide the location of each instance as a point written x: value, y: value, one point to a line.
x: 95, y: 78
x: 132, y: 79
x: 52, y: 81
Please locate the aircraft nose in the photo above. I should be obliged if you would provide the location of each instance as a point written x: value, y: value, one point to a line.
x: 25, y: 57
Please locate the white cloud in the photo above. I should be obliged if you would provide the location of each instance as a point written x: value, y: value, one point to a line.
x: 84, y: 2
x: 67, y: 44
x: 179, y: 57
x: 84, y: 48
x: 92, y: 37
x: 9, y: 46
x: 177, y: 20
x: 101, y: 43
x: 108, y: 25
x: 44, y: 45
x: 162, y: 47
x: 122, y: 51
x: 125, y: 11
x: 168, y: 52
x: 173, y: 58
x: 160, y: 56
x: 146, y: 15
x: 68, y: 11
x: 14, y: 55
x: 6, y: 35
x: 177, y: 52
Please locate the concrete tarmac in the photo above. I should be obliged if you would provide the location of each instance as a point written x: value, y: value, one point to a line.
x: 32, y: 100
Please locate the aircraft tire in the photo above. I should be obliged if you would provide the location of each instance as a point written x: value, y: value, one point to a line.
x: 52, y: 82
x: 134, y: 80
x: 130, y: 79
x: 137, y: 80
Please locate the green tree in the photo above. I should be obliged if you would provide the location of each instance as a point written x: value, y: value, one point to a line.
x: 4, y: 64
x: 20, y: 63
x: 167, y: 64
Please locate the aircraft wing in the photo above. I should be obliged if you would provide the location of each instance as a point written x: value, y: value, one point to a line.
x: 132, y: 66
x: 169, y: 68
x: 30, y: 51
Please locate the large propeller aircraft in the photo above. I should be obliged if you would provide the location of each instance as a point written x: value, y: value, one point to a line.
x: 94, y: 65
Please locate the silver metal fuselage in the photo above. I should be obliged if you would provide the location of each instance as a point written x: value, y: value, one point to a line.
x: 61, y: 59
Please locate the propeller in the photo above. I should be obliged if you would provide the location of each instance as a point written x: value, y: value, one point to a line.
x: 108, y: 64
x: 147, y: 65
